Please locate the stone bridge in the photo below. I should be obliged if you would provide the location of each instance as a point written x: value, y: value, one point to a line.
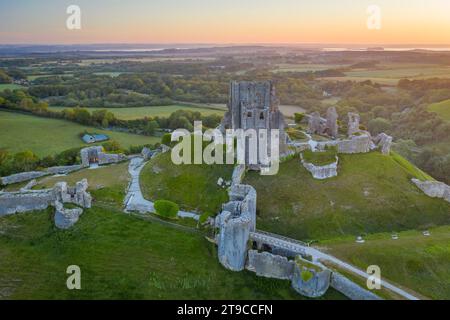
x: 299, y: 247
x: 274, y: 240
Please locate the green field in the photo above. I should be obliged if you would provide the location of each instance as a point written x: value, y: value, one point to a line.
x: 10, y: 86
x: 372, y: 193
x: 415, y: 261
x: 151, y: 111
x: 441, y: 108
x: 121, y: 257
x: 305, y: 67
x: 44, y: 136
x: 193, y: 187
x: 390, y: 74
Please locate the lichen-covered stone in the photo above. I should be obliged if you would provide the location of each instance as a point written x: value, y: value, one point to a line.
x: 66, y: 218
x: 269, y: 265
x: 312, y: 282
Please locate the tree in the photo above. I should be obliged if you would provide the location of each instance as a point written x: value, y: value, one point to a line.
x: 82, y: 115
x: 298, y: 117
x: 25, y: 161
x: 166, y: 139
x: 4, y: 78
x: 167, y: 209
x: 379, y: 125
x: 151, y: 127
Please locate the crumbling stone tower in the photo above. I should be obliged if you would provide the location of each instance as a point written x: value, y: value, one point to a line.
x: 254, y: 105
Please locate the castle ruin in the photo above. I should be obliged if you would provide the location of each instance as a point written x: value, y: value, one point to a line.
x: 254, y: 105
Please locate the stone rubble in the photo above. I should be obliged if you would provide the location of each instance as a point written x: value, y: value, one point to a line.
x: 434, y: 189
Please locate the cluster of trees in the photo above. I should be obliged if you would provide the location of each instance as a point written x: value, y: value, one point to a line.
x: 11, y: 163
x: 427, y: 90
x: 4, y: 77
x: 21, y: 101
x: 28, y: 161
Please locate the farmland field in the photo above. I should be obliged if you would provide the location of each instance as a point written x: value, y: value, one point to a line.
x: 305, y: 67
x: 390, y: 74
x: 10, y: 86
x: 441, y: 108
x: 43, y: 136
x: 152, y: 111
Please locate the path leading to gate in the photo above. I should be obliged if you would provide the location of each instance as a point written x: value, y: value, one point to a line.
x: 135, y: 201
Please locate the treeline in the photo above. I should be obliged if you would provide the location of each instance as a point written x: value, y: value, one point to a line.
x: 21, y: 101
x: 428, y: 90
x: 11, y: 163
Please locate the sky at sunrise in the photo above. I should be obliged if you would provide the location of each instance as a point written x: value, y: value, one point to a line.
x: 225, y: 21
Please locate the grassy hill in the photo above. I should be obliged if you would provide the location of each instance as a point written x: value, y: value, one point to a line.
x: 441, y: 108
x: 372, y: 193
x: 121, y: 257
x: 192, y: 187
x: 44, y: 136
x: 418, y: 262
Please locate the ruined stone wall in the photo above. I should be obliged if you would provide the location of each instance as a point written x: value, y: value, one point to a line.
x: 30, y: 200
x: 66, y: 218
x: 22, y: 201
x: 318, y: 282
x: 64, y: 169
x: 356, y: 144
x: 21, y: 177
x: 29, y: 175
x: 269, y: 265
x: 235, y: 222
x: 434, y: 189
x: 322, y: 172
x: 351, y: 289
x: 101, y: 156
x: 238, y: 174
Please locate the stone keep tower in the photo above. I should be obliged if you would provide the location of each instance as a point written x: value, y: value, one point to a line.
x: 254, y: 105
